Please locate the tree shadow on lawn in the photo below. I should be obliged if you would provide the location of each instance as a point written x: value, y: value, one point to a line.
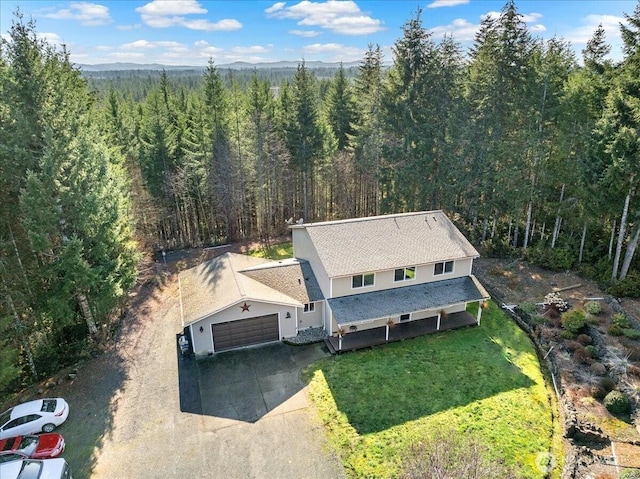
x: 396, y: 383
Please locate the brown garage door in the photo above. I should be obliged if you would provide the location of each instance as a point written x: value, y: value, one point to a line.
x: 245, y: 332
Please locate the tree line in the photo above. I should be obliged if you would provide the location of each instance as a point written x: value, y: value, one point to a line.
x: 531, y: 151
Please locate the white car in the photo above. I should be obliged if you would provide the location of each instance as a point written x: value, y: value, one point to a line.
x: 41, y: 415
x: 36, y: 469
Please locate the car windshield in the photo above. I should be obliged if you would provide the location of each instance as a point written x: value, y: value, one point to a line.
x: 30, y: 470
x: 48, y: 405
x: 28, y: 444
x: 4, y: 418
x: 10, y: 457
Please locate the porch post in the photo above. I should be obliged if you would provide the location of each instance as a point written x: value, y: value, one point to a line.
x: 479, y: 312
x: 438, y: 325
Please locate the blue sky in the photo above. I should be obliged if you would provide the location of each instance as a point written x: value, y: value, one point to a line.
x: 189, y: 32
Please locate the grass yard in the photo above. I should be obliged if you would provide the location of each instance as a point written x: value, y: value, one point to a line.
x: 274, y: 252
x: 484, y: 381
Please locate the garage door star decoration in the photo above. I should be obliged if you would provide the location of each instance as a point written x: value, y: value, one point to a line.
x: 245, y: 307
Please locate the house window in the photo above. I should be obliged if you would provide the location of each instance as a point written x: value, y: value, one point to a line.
x: 362, y: 280
x: 405, y: 317
x: 442, y: 268
x: 404, y: 274
x: 309, y: 307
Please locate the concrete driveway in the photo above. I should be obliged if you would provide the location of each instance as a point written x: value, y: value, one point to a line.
x: 247, y: 384
x: 242, y: 414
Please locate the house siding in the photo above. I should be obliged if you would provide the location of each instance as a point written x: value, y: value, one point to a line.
x: 303, y: 249
x: 385, y: 279
x: 203, y: 341
x: 312, y: 319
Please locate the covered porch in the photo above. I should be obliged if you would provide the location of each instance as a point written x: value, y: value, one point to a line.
x: 354, y: 340
x: 446, y: 301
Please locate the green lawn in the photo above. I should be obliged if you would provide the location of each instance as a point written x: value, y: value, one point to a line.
x: 484, y: 380
x: 275, y: 252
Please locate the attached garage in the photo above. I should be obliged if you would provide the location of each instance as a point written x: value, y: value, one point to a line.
x: 246, y: 332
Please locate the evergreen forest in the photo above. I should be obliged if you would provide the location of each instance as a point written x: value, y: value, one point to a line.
x: 533, y: 153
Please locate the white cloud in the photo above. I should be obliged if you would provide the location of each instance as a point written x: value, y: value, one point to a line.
x: 104, y: 48
x: 52, y: 38
x: 126, y: 56
x: 446, y: 3
x: 582, y: 34
x: 171, y: 13
x: 86, y: 13
x: 343, y: 17
x: 304, y: 33
x: 333, y: 52
x: 171, y: 7
x: 255, y: 49
x: 147, y: 45
x: 460, y: 29
x: 201, y: 43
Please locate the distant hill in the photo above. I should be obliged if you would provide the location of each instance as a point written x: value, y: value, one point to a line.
x: 102, y: 67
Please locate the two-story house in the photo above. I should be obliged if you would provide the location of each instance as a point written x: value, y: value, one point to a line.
x: 363, y: 281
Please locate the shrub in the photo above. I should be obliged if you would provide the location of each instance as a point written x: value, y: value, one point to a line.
x: 631, y: 333
x: 630, y: 474
x: 556, y: 259
x: 620, y: 319
x: 592, y: 307
x: 573, y: 346
x: 528, y: 308
x: 608, y: 384
x: 584, y: 339
x: 582, y: 356
x: 598, y: 369
x: 626, y: 288
x: 452, y: 454
x: 593, y: 352
x: 616, y: 402
x: 566, y: 334
x: 573, y: 320
x: 615, y: 330
x: 598, y: 392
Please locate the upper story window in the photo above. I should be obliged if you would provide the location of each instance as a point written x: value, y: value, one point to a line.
x: 404, y: 274
x: 443, y: 268
x: 362, y: 280
x: 309, y: 307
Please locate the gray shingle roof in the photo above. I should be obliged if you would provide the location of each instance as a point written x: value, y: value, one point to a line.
x: 394, y: 302
x: 291, y: 277
x: 219, y: 283
x: 384, y: 242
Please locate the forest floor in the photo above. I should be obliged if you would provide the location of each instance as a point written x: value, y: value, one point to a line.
x: 97, y: 385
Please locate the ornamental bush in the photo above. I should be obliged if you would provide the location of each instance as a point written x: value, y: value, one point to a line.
x: 630, y: 474
x: 616, y: 402
x: 615, y: 330
x: 573, y: 320
x: 631, y: 333
x: 621, y: 320
x: 593, y: 352
x: 592, y: 307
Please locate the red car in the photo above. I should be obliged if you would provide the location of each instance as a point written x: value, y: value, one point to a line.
x: 42, y: 446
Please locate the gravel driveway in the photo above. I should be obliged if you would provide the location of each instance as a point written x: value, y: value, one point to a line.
x: 125, y: 417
